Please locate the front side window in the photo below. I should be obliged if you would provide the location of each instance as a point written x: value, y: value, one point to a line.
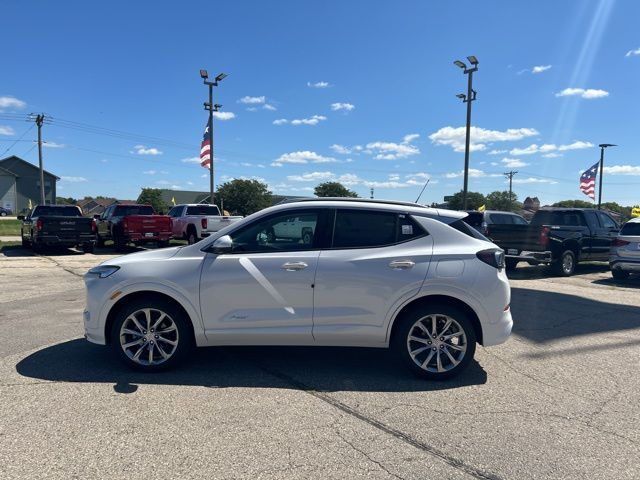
x: 368, y: 229
x: 606, y: 220
x: 277, y: 233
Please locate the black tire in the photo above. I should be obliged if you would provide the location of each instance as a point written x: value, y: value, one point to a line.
x: 87, y: 247
x: 25, y: 243
x: 565, y: 266
x: 192, y: 236
x: 510, y: 264
x: 619, y: 274
x: 3, y: 214
x: 400, y: 342
x: 99, y: 241
x: 184, y: 334
x: 163, y: 243
x: 37, y: 247
x: 118, y: 243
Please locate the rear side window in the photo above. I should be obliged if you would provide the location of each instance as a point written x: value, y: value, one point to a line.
x: 368, y: 229
x: 475, y: 219
x: 467, y: 229
x: 570, y: 219
x: 203, y: 210
x: 506, y: 219
x: 631, y: 228
x: 606, y: 220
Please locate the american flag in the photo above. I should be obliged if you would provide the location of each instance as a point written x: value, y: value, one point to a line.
x: 205, y: 148
x: 588, y: 181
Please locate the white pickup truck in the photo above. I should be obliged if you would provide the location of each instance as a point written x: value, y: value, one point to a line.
x: 192, y: 222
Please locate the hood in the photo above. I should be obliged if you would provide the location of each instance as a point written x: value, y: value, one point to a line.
x: 160, y: 254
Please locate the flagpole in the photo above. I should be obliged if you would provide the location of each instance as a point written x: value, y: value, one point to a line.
x: 211, y: 170
x: 601, y: 172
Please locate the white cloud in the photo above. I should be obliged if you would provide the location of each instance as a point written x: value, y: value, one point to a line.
x: 552, y: 155
x: 73, y: 179
x: 191, y: 160
x: 268, y: 106
x: 224, y: 115
x: 513, y: 162
x: 6, y: 130
x: 497, y: 152
x: 314, y: 120
x: 280, y: 121
x: 540, y: 68
x: 578, y: 145
x: 311, y: 177
x: 455, y: 137
x: 394, y: 151
x: 633, y: 52
x: 623, y: 170
x: 550, y: 147
x: 302, y: 157
x: 473, y: 172
x: 318, y: 84
x: 341, y: 149
x: 418, y: 178
x: 142, y: 150
x: 150, y: 172
x: 53, y: 145
x: 189, y: 183
x: 175, y: 187
x: 11, y: 102
x: 588, y: 93
x: 533, y: 180
x: 347, y: 107
x: 247, y: 100
x: 246, y: 164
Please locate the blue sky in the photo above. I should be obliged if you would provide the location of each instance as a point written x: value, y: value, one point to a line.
x: 361, y: 92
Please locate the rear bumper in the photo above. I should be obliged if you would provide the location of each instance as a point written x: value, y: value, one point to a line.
x: 625, y: 265
x: 498, y: 332
x: 532, y: 257
x: 66, y: 241
x: 142, y: 237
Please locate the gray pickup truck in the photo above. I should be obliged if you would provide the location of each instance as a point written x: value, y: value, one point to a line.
x: 57, y: 225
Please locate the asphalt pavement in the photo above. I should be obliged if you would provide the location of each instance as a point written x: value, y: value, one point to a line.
x: 559, y: 400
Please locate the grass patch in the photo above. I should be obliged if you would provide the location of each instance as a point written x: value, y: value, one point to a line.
x: 10, y: 227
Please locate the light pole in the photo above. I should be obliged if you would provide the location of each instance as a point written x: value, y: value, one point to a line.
x: 510, y: 175
x: 211, y: 108
x: 601, y: 172
x: 468, y: 98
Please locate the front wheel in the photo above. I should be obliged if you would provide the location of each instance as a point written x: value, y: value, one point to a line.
x: 619, y: 274
x: 3, y: 214
x: 436, y: 342
x: 566, y: 265
x: 151, y: 334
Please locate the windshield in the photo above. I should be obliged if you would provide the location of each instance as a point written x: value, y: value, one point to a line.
x: 631, y: 228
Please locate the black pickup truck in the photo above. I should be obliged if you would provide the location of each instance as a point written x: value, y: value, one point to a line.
x: 57, y: 225
x: 560, y: 237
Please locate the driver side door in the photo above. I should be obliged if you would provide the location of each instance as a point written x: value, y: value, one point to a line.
x: 262, y: 291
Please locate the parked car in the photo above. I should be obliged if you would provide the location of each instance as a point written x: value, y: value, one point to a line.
x: 624, y: 257
x: 5, y: 212
x: 193, y: 222
x: 375, y: 274
x: 482, y: 221
x: 59, y: 226
x: 561, y: 237
x: 137, y: 224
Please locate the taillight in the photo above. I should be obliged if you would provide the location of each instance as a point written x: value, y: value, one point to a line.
x: 94, y: 227
x: 492, y: 256
x: 39, y: 224
x: 544, y: 236
x: 619, y: 243
x: 125, y: 224
x: 204, y: 223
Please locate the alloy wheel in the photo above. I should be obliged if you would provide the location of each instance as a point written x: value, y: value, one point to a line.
x: 437, y: 343
x: 149, y: 336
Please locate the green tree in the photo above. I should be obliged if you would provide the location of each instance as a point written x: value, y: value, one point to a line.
x: 153, y: 197
x: 244, y: 197
x: 474, y: 200
x: 573, y: 204
x: 500, y: 201
x: 334, y: 189
x: 66, y: 200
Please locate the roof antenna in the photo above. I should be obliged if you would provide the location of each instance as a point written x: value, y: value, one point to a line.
x: 422, y: 191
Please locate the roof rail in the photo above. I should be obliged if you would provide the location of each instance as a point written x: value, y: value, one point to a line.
x: 355, y: 200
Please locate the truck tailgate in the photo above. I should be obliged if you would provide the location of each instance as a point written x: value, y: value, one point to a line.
x: 514, y: 239
x: 65, y: 226
x: 148, y: 223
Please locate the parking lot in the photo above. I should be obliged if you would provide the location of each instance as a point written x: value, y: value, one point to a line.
x: 559, y: 400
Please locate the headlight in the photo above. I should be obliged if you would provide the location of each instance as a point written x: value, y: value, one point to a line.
x: 103, y: 271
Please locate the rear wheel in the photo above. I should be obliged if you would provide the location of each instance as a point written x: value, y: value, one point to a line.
x: 25, y: 242
x: 118, y: 243
x: 510, y: 264
x: 151, y: 334
x: 619, y: 274
x: 99, y: 241
x: 436, y: 342
x: 3, y: 214
x: 163, y: 243
x: 566, y: 265
x: 192, y: 236
x: 87, y: 247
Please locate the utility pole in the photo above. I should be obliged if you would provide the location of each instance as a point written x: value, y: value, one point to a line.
x: 510, y: 176
x: 371, y: 192
x: 39, y: 122
x: 211, y: 108
x: 468, y: 98
x: 601, y: 172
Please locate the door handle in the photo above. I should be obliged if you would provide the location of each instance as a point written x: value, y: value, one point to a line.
x: 294, y: 266
x: 401, y: 264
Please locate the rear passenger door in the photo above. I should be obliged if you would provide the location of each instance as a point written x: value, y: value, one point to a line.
x: 607, y: 234
x: 376, y: 260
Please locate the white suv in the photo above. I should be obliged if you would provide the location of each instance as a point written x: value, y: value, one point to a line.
x: 373, y: 274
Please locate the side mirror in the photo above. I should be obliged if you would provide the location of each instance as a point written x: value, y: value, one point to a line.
x: 21, y: 217
x: 221, y: 245
x: 96, y: 217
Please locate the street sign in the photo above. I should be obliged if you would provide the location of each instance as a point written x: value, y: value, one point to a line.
x: 448, y: 198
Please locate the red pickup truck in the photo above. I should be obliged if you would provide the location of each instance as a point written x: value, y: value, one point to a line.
x: 136, y: 224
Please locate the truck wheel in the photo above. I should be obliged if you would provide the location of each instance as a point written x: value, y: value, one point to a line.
x: 99, y: 241
x: 87, y: 247
x: 566, y: 265
x: 118, y: 243
x: 163, y: 243
x: 510, y: 264
x: 192, y: 236
x: 619, y: 274
x: 25, y: 242
x: 436, y: 342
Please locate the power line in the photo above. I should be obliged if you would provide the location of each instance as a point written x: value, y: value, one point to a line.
x: 14, y: 143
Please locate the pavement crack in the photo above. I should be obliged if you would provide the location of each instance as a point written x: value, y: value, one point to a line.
x: 58, y: 264
x: 366, y: 455
x: 398, y: 434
